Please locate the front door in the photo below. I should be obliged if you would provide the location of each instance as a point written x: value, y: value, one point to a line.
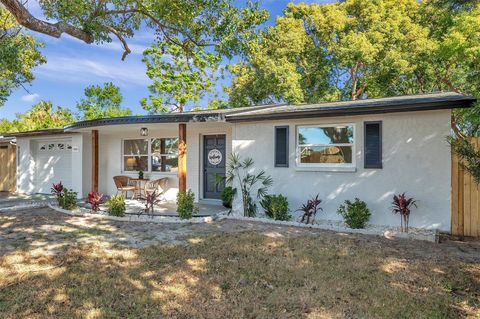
x: 213, y: 165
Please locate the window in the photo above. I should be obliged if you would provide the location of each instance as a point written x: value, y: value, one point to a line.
x: 373, y: 144
x: 325, y: 146
x: 135, y: 155
x: 150, y: 155
x: 164, y: 154
x: 281, y: 146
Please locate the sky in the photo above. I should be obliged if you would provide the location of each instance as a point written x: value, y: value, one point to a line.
x: 72, y: 65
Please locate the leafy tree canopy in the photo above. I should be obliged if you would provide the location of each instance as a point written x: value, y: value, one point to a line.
x: 101, y: 102
x: 186, y: 23
x: 322, y: 52
x: 178, y: 78
x: 18, y: 55
x: 41, y: 116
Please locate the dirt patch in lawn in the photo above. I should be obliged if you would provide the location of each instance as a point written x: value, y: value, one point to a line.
x: 241, y: 275
x: 58, y: 266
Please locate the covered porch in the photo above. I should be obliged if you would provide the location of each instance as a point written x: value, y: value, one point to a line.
x: 176, y: 151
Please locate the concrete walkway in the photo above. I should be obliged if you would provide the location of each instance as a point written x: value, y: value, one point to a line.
x: 15, y: 199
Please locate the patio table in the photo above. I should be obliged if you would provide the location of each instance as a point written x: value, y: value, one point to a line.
x: 137, y: 182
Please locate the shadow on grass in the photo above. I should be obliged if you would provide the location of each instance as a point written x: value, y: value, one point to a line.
x: 236, y: 276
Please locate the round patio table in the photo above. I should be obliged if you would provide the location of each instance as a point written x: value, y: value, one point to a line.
x: 137, y: 182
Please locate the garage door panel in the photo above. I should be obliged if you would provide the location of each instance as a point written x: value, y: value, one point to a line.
x: 53, y: 164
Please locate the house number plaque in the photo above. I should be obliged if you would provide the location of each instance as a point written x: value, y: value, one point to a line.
x: 214, y: 157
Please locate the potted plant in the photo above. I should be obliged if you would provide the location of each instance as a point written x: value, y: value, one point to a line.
x: 140, y: 174
x: 227, y: 195
x: 402, y: 205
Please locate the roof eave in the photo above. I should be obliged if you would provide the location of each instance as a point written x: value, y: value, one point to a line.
x: 349, y: 111
x: 171, y: 118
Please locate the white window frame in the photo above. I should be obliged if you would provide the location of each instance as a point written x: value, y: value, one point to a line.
x: 326, y: 166
x: 165, y: 154
x: 148, y: 154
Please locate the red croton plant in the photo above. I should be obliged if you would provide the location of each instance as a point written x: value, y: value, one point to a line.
x: 310, y: 209
x: 57, y: 189
x: 402, y: 205
x: 95, y: 199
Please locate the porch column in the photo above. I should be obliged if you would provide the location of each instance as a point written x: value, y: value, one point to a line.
x: 95, y: 160
x: 182, y: 157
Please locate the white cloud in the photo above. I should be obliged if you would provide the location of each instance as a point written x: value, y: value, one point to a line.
x: 30, y: 97
x: 84, y: 70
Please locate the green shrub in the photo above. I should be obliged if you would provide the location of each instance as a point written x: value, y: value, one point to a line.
x: 185, y: 204
x: 276, y: 207
x: 227, y: 195
x: 355, y: 213
x: 116, y: 206
x: 67, y: 199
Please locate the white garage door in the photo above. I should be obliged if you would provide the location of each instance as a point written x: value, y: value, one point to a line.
x: 53, y: 163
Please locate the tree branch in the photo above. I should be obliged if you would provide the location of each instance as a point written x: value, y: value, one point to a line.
x: 122, y: 40
x: 24, y: 18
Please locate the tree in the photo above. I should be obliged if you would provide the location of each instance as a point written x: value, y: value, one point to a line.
x: 343, y: 50
x: 41, y: 116
x: 185, y: 23
x: 19, y: 55
x: 102, y: 102
x: 178, y: 78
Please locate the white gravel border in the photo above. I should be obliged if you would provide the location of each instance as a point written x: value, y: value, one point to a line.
x: 84, y: 212
x: 338, y: 226
x: 24, y: 206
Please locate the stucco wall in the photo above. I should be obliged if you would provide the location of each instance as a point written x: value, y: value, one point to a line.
x: 416, y: 160
x: 87, y: 163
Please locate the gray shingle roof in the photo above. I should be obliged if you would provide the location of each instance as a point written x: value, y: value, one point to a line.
x: 406, y: 103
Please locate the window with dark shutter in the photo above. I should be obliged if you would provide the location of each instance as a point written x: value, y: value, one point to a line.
x: 281, y: 146
x: 373, y: 144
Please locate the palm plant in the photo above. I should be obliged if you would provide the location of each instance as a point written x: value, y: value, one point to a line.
x: 240, y: 171
x: 402, y: 205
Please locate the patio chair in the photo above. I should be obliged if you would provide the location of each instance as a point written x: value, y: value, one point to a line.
x: 160, y: 185
x: 123, y: 185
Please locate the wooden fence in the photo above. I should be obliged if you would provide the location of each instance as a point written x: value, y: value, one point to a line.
x: 8, y: 169
x: 465, y: 200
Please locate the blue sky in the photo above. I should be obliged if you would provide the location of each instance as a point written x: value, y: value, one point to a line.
x: 72, y: 65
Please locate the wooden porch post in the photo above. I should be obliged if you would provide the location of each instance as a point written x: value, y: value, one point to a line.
x: 182, y: 157
x: 95, y: 160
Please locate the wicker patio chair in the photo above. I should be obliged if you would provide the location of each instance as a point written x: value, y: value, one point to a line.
x: 160, y: 185
x: 123, y: 185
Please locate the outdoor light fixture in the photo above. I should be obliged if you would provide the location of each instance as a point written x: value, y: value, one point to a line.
x: 144, y: 131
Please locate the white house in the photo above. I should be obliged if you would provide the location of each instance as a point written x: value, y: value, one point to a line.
x: 370, y: 149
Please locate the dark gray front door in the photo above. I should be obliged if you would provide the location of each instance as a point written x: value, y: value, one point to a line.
x: 213, y: 165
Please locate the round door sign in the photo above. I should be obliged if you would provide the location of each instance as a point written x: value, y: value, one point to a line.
x: 214, y: 157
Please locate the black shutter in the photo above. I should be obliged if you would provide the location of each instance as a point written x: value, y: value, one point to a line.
x: 281, y: 146
x: 373, y: 144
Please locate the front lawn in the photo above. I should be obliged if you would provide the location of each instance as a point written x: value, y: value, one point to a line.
x: 241, y: 275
